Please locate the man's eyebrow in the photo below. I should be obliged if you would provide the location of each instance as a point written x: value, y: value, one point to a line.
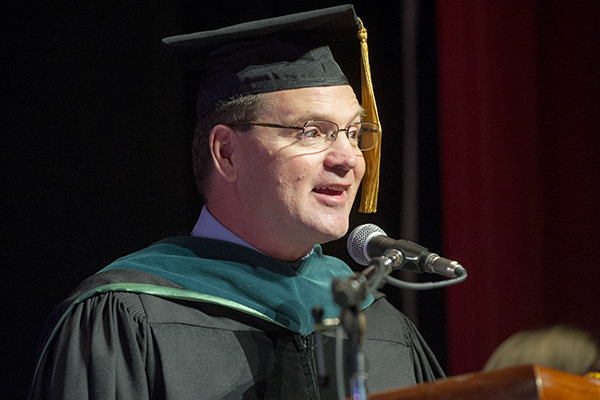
x: 316, y: 116
x: 361, y: 113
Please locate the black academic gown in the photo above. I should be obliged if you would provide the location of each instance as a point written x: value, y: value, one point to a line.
x: 127, y: 344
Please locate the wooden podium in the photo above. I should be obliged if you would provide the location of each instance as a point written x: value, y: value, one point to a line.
x: 517, y: 383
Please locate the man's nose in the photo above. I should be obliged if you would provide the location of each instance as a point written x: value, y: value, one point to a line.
x: 342, y: 152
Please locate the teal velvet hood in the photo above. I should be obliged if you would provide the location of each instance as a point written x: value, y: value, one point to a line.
x: 285, y: 292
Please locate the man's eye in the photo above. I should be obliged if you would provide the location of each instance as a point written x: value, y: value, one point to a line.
x: 312, y: 133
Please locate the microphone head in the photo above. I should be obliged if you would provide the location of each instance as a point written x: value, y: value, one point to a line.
x: 358, y: 240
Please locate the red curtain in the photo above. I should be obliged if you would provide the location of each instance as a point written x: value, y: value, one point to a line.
x: 519, y: 90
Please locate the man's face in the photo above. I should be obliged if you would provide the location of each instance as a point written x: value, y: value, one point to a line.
x: 291, y: 192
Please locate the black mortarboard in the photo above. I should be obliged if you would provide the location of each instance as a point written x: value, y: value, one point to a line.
x: 287, y: 52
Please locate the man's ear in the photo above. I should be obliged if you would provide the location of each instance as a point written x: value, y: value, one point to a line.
x: 222, y: 142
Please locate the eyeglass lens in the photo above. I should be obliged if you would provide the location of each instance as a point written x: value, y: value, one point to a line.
x: 362, y: 136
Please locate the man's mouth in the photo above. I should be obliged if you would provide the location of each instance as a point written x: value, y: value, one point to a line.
x: 334, y: 190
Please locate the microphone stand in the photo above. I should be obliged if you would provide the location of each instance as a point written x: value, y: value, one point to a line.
x: 349, y: 294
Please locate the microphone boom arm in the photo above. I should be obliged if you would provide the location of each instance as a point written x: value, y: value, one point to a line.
x: 368, y: 242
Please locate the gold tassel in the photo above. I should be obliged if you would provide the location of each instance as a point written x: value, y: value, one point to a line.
x: 370, y: 182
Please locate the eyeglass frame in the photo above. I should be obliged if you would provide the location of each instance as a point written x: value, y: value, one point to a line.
x: 302, y: 128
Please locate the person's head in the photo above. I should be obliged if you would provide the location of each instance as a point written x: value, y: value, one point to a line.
x: 267, y: 181
x: 265, y: 172
x: 560, y: 347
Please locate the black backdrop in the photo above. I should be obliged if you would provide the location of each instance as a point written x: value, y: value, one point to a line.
x: 96, y: 122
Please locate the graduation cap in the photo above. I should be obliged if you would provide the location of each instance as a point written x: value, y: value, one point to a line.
x: 288, y: 52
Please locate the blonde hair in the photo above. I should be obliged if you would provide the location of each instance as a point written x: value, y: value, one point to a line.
x: 559, y: 347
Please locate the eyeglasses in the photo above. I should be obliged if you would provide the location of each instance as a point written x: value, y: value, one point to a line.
x: 320, y: 135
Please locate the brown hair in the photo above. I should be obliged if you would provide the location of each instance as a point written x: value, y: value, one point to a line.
x: 228, y: 112
x: 560, y: 347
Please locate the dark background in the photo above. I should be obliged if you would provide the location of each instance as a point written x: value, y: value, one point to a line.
x: 518, y: 96
x: 96, y: 126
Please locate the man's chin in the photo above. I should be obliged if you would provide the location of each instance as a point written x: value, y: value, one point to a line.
x: 331, y: 233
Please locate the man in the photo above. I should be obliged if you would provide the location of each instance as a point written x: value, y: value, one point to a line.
x: 227, y: 312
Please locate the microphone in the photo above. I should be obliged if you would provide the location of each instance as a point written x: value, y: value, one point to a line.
x: 369, y: 241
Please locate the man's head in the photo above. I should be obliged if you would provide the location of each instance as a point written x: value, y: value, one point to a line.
x: 261, y: 83
x: 274, y: 191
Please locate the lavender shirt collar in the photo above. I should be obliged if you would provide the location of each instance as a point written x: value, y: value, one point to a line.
x: 208, y: 227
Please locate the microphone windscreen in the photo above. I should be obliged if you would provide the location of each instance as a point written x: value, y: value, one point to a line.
x: 358, y: 239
